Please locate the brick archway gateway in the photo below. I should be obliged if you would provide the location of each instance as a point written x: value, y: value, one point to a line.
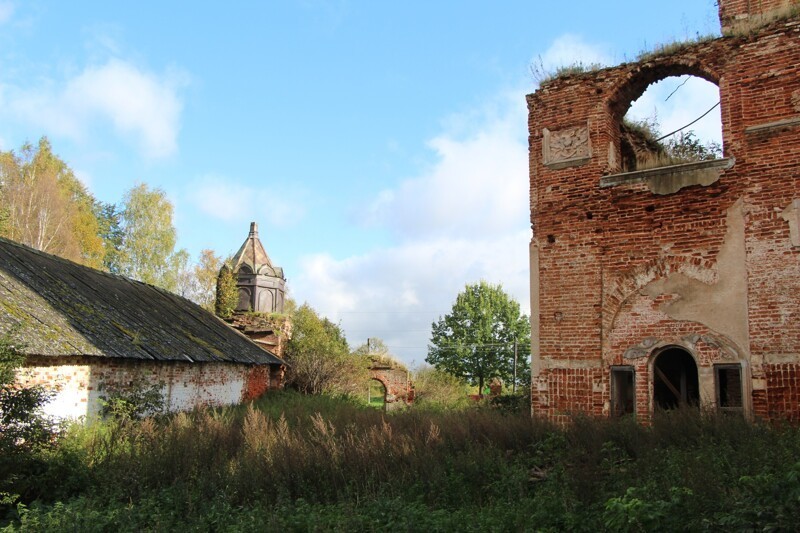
x: 396, y: 382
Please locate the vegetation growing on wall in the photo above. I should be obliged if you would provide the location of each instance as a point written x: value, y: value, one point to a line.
x: 644, y: 148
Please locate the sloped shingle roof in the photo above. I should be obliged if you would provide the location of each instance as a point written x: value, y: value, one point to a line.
x: 62, y: 308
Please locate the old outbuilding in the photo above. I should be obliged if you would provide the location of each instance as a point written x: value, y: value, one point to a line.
x: 85, y: 332
x: 676, y: 285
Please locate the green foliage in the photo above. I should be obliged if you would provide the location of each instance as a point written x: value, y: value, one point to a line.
x: 672, y: 47
x: 296, y: 462
x: 22, y: 425
x: 206, y: 274
x: 683, y: 147
x: 24, y: 429
x: 686, y: 147
x: 375, y: 350
x: 319, y: 357
x: 46, y: 207
x: 109, y: 220
x: 148, y: 243
x: 132, y: 401
x: 227, y: 292
x: 436, y: 389
x: 476, y: 340
x: 542, y: 74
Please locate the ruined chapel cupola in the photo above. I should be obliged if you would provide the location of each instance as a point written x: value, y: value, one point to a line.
x: 261, y: 285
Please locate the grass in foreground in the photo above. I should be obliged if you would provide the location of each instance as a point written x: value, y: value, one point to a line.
x: 299, y: 463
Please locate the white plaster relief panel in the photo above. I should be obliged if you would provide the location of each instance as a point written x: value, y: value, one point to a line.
x: 566, y: 147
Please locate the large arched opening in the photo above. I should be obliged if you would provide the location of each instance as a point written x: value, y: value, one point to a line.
x: 376, y: 394
x: 668, y: 114
x: 676, y: 120
x: 675, y: 380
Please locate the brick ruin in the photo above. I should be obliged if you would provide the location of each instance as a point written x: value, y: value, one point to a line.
x: 680, y: 284
x: 399, y: 391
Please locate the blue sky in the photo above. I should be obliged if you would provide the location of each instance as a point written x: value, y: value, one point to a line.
x: 380, y: 146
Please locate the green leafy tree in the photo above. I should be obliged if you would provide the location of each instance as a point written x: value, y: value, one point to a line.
x: 476, y: 340
x: 319, y: 358
x: 46, y: 207
x: 148, y: 237
x: 109, y: 220
x: 206, y: 272
x: 227, y: 293
x: 23, y: 427
x: 437, y: 389
x: 180, y: 275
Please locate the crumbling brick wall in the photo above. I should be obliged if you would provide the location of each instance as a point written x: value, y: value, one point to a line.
x: 705, y: 258
x: 270, y: 331
x: 398, y: 387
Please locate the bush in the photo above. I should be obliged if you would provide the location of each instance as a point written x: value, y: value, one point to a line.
x: 295, y: 462
x: 319, y: 357
x: 132, y: 401
x: 24, y: 429
x: 437, y: 389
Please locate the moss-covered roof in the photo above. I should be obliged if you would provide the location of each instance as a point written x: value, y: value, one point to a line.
x: 55, y: 307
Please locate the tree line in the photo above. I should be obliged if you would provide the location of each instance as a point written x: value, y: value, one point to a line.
x: 45, y: 206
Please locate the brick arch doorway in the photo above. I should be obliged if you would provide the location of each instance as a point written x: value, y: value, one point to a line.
x: 675, y: 379
x: 399, y: 389
x: 377, y: 392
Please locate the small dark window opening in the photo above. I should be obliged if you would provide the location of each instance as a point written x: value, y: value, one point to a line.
x: 729, y: 388
x: 623, y: 392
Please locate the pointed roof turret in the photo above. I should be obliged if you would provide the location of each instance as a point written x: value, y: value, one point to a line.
x: 253, y: 255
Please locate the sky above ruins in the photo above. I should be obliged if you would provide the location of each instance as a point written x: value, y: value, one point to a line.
x: 380, y: 146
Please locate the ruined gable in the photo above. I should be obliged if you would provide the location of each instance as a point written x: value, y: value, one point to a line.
x: 697, y: 262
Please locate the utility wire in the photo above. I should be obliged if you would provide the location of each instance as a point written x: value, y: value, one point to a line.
x: 678, y: 87
x: 689, y: 124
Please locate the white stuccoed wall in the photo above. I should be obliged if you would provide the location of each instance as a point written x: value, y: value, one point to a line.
x: 79, y: 383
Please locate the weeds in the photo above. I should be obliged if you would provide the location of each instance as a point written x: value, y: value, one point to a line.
x: 313, y: 463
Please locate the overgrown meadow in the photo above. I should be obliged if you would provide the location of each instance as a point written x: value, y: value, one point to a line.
x: 309, y: 463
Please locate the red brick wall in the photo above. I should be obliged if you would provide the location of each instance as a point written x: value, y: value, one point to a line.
x: 396, y: 383
x: 598, y: 249
x: 732, y: 10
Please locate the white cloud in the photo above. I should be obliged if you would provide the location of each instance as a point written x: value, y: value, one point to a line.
x: 570, y: 49
x: 692, y: 97
x: 139, y: 105
x: 477, y: 188
x: 396, y: 293
x: 6, y: 11
x: 230, y: 201
x: 462, y: 220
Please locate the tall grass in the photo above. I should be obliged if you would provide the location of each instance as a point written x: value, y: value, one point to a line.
x: 308, y: 463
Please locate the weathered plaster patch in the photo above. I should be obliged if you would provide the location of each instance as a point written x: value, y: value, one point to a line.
x: 792, y: 215
x: 722, y: 306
